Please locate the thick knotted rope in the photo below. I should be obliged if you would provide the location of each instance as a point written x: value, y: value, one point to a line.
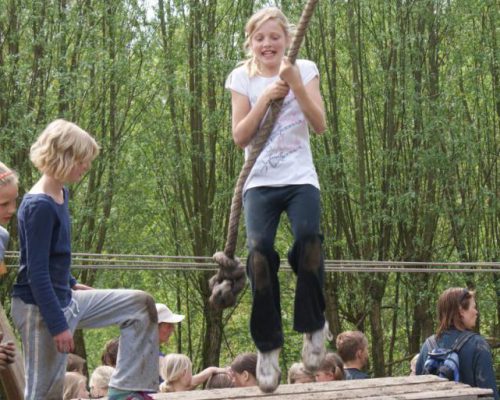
x: 230, y: 279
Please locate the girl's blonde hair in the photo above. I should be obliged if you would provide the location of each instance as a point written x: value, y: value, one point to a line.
x: 297, y: 371
x: 60, y: 146
x: 72, y: 382
x: 253, y: 24
x: 172, y: 368
x: 7, y: 176
x: 100, y: 377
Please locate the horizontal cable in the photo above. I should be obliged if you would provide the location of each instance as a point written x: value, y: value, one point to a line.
x: 94, y: 261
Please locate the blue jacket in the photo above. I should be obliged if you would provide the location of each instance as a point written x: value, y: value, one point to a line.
x: 44, y: 276
x: 4, y: 241
x: 476, y: 363
x: 354, y: 373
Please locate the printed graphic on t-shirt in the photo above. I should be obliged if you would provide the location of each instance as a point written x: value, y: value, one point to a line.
x: 282, y: 142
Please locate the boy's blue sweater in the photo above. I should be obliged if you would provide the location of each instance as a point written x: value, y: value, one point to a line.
x: 44, y: 277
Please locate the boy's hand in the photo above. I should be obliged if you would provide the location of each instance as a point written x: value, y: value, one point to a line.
x: 3, y: 359
x: 7, y: 354
x: 64, y: 342
x: 81, y: 286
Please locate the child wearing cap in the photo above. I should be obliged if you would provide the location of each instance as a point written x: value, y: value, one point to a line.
x: 167, y: 321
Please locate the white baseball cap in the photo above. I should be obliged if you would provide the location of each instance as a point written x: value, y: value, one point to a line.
x: 165, y: 315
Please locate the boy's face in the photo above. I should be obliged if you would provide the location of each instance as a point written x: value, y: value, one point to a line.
x: 165, y: 330
x: 8, y: 197
x: 364, y: 356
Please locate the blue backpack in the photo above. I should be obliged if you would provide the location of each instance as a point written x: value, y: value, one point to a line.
x: 445, y: 362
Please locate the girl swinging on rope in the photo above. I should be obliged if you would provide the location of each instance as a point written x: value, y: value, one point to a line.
x: 283, y: 179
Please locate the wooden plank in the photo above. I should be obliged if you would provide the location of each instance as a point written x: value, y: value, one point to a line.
x: 467, y: 393
x: 13, y: 377
x: 242, y: 393
x: 336, y: 394
x: 381, y: 388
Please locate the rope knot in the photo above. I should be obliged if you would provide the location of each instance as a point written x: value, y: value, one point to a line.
x: 228, y: 282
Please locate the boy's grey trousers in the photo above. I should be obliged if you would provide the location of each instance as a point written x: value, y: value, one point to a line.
x: 133, y: 311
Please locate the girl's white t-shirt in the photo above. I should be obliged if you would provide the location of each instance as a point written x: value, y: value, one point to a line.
x: 286, y: 158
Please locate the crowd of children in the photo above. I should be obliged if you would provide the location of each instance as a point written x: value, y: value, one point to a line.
x: 48, y: 304
x: 176, y: 372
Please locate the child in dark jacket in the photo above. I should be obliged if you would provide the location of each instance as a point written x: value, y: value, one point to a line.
x: 457, y: 314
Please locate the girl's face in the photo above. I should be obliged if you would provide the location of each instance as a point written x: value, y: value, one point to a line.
x: 268, y: 44
x: 324, y: 376
x: 79, y: 169
x: 238, y: 379
x: 82, y: 390
x: 186, y: 378
x: 97, y: 392
x: 244, y: 379
x: 469, y: 316
x: 8, y: 197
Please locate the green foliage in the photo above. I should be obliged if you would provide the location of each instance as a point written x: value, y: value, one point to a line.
x: 408, y: 167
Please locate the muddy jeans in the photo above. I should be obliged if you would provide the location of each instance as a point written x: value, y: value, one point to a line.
x: 263, y: 208
x: 132, y: 310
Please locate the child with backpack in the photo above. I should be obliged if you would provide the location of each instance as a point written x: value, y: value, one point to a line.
x: 455, y: 351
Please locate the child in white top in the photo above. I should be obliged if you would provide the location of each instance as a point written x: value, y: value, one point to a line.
x: 283, y: 179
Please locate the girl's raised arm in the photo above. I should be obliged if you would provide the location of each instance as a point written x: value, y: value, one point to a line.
x: 204, y: 375
x: 246, y: 119
x: 308, y: 96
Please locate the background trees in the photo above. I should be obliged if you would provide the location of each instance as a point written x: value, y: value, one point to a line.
x: 408, y: 167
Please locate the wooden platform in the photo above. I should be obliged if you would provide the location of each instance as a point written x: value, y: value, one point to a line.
x: 411, y: 387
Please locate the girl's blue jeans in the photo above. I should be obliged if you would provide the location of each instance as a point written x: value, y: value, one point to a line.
x: 263, y: 207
